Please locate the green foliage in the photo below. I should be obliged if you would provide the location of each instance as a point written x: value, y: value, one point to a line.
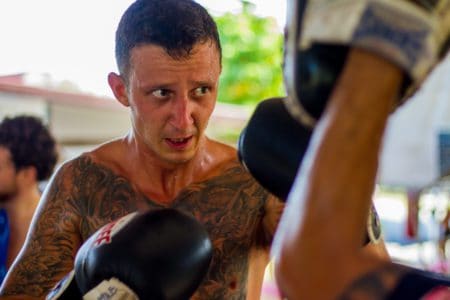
x: 252, y: 58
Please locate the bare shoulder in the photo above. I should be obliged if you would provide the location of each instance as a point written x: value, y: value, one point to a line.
x: 223, y: 152
x: 98, y: 190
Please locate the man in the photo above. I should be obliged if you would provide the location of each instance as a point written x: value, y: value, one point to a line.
x: 169, y: 59
x: 335, y: 182
x: 28, y: 155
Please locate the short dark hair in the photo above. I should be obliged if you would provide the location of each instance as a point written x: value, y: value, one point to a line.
x: 175, y: 25
x: 30, y: 143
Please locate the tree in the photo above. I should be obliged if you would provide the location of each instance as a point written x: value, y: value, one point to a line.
x: 252, y: 57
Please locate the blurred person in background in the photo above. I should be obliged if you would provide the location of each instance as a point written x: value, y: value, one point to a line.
x: 28, y: 154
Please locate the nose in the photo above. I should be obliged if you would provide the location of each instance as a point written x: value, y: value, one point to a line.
x: 182, y: 113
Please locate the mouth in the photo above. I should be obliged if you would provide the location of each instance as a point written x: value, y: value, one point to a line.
x: 178, y: 143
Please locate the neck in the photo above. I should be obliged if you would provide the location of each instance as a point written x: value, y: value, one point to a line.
x: 24, y: 201
x: 168, y: 178
x: 20, y: 210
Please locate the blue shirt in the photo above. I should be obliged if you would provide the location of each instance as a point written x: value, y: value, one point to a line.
x: 4, y: 241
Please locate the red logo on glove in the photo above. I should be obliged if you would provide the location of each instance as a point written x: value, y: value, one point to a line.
x: 104, y: 236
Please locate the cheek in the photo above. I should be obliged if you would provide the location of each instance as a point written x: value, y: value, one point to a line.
x: 207, y: 109
x: 143, y: 115
x: 150, y: 123
x: 5, y: 178
x: 202, y: 117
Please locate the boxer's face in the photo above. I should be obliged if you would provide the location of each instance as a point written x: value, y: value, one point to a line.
x: 171, y: 100
x: 8, y: 184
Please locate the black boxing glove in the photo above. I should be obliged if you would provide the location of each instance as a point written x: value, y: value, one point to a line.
x: 271, y: 147
x: 412, y: 34
x: 160, y: 254
x: 166, y: 255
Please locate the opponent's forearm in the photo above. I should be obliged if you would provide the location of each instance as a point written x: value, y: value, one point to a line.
x: 342, y: 161
x: 322, y: 230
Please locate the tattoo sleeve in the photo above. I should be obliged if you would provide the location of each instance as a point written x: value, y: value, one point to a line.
x: 52, y: 241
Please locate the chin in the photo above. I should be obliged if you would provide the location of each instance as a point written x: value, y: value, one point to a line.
x: 181, y: 158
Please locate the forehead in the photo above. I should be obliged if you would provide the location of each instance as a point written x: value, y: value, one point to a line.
x: 152, y: 60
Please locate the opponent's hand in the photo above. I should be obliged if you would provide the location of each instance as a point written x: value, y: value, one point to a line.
x: 160, y: 254
x: 413, y: 34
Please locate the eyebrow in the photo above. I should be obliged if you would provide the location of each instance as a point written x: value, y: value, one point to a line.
x: 203, y: 82
x: 168, y: 86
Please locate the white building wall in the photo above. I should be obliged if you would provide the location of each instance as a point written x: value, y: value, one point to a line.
x: 411, y: 152
x: 14, y: 104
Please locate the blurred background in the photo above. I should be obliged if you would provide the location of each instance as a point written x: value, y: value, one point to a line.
x: 55, y: 56
x: 65, y: 49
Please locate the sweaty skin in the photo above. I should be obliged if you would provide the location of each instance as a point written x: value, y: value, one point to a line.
x: 89, y: 193
x: 165, y: 161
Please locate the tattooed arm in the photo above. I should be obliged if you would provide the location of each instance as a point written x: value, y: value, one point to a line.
x: 51, y: 244
x: 273, y: 209
x: 82, y: 196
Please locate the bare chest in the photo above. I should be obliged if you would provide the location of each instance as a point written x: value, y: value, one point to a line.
x: 230, y: 206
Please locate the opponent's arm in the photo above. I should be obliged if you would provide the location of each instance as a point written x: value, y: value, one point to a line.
x: 317, y: 252
x: 321, y: 232
x: 51, y: 243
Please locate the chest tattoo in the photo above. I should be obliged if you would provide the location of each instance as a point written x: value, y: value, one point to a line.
x: 230, y: 206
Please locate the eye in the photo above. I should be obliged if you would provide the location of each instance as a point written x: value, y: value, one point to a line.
x: 161, y: 93
x: 201, y: 91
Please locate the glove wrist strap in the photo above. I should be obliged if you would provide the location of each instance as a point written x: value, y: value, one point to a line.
x: 112, y: 289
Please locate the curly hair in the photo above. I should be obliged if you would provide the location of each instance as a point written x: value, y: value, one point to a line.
x: 175, y: 25
x: 30, y: 143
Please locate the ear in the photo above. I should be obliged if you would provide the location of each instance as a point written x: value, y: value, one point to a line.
x: 27, y: 176
x: 118, y: 88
